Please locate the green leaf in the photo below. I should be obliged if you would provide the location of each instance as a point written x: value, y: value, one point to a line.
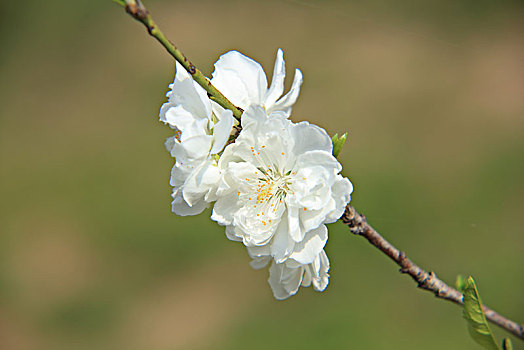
x: 120, y: 2
x: 506, y: 344
x: 461, y: 283
x: 338, y: 142
x: 477, y: 324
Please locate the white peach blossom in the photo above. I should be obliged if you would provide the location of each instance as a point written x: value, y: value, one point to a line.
x: 243, y: 81
x: 199, y: 136
x: 280, y: 186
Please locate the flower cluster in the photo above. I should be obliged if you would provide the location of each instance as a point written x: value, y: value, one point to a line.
x: 275, y: 187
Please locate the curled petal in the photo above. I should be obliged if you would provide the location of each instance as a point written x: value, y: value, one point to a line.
x: 319, y: 271
x: 277, y: 83
x: 241, y: 79
x: 342, y: 190
x: 286, y: 103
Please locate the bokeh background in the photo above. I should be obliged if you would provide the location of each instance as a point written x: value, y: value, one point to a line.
x: 91, y: 257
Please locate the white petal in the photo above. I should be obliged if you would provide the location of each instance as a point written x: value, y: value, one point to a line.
x: 282, y: 244
x: 308, y: 278
x: 255, y: 115
x: 319, y: 158
x: 196, y: 147
x: 200, y: 127
x: 311, y: 219
x: 275, y: 274
x: 187, y: 94
x: 277, y: 83
x: 284, y: 281
x: 221, y: 131
x: 179, y: 175
x: 170, y: 143
x: 237, y: 172
x: 234, y: 154
x: 258, y: 251
x: 176, y: 116
x: 277, y: 149
x: 341, y: 192
x: 312, y: 188
x: 321, y: 279
x: 294, y: 229
x: 310, y: 137
x: 231, y: 234
x: 224, y: 209
x: 180, y: 207
x: 241, y: 79
x: 260, y: 262
x: 201, y: 184
x: 285, y: 103
x: 314, y: 241
x: 255, y: 233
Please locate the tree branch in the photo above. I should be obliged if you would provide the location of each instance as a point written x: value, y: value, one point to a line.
x: 358, y: 225
x: 138, y: 11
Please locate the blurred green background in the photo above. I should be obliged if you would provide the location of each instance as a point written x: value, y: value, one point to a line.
x: 91, y: 257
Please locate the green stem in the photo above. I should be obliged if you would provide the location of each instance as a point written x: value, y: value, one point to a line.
x: 141, y: 14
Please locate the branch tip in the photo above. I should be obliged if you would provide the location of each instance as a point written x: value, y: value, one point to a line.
x: 138, y: 11
x: 425, y: 280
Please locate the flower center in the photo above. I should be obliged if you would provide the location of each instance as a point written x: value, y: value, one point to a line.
x: 267, y: 188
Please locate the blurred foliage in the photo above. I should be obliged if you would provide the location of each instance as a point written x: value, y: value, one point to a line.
x: 92, y: 258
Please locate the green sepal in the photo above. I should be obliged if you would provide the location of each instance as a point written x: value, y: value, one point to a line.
x: 338, y: 142
x: 477, y: 324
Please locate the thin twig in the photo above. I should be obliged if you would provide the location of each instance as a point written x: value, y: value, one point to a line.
x: 426, y: 280
x: 139, y: 12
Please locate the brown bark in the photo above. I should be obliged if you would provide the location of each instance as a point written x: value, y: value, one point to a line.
x: 426, y: 280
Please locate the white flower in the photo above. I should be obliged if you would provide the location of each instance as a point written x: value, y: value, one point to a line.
x: 287, y: 277
x: 199, y: 136
x: 243, y: 81
x: 280, y: 185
